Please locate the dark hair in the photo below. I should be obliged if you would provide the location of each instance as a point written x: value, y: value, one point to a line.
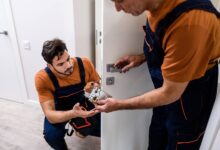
x: 53, y: 48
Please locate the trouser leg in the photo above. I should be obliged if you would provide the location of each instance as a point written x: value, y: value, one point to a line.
x: 54, y: 135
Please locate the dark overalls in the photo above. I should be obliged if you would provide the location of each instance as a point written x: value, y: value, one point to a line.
x: 180, y: 125
x: 65, y: 98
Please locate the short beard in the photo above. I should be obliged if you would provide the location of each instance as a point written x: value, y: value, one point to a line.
x: 64, y: 72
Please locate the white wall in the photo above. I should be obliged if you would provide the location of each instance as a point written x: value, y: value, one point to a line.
x: 37, y: 21
x: 84, y: 11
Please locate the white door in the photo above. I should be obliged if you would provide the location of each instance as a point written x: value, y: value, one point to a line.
x: 119, y: 34
x: 212, y: 134
x: 11, y: 80
x: 216, y: 143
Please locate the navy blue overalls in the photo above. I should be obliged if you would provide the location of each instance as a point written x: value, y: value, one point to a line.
x: 180, y: 125
x: 65, y: 98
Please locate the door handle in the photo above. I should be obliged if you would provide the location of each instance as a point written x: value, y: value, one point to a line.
x: 4, y: 32
x: 111, y: 68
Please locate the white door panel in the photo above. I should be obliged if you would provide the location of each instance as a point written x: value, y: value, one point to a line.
x: 120, y: 34
x: 123, y: 35
x: 11, y: 77
x: 212, y: 127
x: 216, y: 3
x: 216, y: 144
x: 125, y: 130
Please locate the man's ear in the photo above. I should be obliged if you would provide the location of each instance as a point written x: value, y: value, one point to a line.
x: 50, y: 66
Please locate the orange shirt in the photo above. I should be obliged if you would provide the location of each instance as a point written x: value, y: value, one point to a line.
x: 191, y: 43
x: 45, y: 86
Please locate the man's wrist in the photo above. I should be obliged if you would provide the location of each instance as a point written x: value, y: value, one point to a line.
x: 143, y: 58
x: 119, y: 105
x: 72, y: 113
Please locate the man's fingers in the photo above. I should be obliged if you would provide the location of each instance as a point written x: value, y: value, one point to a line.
x: 121, y: 63
x: 101, y: 102
x: 76, y: 106
x: 127, y: 67
x: 91, y: 113
x: 118, y: 63
x: 96, y: 85
x: 100, y: 108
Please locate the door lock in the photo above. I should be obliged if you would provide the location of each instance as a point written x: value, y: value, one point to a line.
x: 110, y: 80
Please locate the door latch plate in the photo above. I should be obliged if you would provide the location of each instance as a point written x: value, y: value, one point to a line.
x: 110, y: 80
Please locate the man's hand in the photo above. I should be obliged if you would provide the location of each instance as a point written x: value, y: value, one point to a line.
x: 80, y: 111
x: 127, y: 62
x: 107, y: 105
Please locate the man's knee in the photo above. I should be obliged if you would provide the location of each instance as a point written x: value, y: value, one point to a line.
x: 54, y: 134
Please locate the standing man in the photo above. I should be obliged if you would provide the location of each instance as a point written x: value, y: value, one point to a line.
x: 182, y: 47
x: 60, y: 88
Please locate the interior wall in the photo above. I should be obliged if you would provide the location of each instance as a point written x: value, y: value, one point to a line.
x: 84, y: 11
x: 36, y: 22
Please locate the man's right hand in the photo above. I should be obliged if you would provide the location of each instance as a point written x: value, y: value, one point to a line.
x: 127, y: 62
x: 80, y: 111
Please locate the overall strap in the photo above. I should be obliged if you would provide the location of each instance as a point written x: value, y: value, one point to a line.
x: 52, y: 77
x: 81, y: 70
x: 186, y: 6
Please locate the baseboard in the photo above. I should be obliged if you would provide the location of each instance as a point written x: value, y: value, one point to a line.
x: 31, y: 102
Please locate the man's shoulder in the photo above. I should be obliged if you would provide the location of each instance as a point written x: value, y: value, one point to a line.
x: 198, y: 17
x: 41, y: 75
x: 86, y: 61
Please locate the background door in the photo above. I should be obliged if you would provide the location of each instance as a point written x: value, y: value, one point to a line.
x: 119, y: 34
x: 11, y: 77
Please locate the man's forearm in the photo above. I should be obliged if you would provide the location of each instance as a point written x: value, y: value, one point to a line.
x: 154, y: 98
x: 60, y: 116
x: 142, y: 57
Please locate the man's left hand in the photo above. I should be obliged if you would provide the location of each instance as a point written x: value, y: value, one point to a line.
x: 107, y: 105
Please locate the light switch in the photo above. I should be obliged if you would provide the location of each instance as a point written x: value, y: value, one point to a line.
x: 27, y: 45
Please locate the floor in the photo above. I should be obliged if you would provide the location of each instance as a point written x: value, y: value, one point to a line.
x: 21, y: 129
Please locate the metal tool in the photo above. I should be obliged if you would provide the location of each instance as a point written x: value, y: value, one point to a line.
x: 98, y: 94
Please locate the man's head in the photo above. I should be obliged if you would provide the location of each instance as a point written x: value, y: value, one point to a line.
x: 55, y: 54
x: 135, y: 7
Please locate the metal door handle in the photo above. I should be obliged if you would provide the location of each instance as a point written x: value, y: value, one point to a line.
x: 111, y: 68
x: 4, y: 32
